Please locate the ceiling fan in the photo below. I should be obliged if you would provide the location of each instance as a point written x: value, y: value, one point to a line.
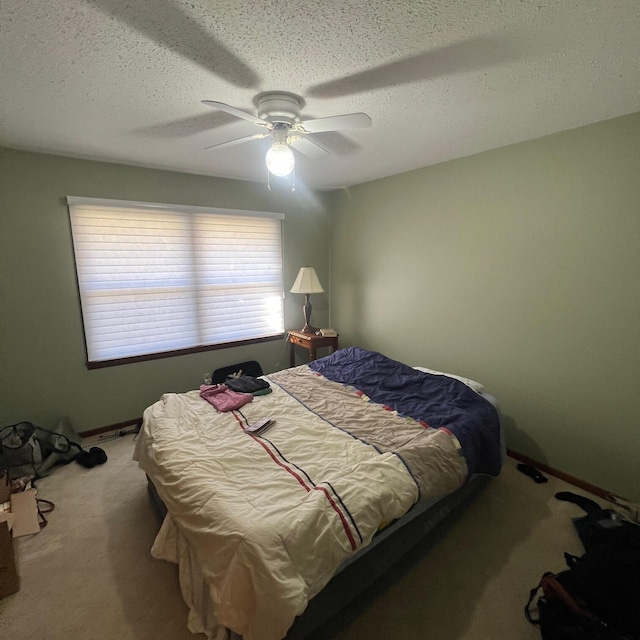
x: 279, y: 115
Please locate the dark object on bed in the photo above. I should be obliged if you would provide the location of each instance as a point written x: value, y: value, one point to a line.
x: 248, y: 368
x: 247, y: 384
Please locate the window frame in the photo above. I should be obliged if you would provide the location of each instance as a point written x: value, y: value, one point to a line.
x: 181, y: 209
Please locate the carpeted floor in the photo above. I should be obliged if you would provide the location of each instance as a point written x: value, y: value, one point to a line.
x: 89, y: 573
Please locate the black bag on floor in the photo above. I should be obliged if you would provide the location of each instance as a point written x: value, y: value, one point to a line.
x: 598, y: 596
x: 20, y: 452
x: 563, y: 617
x: 30, y: 451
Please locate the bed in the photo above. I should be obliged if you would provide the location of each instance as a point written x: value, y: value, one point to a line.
x: 272, y: 533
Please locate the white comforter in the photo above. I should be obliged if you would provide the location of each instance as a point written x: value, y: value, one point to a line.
x: 268, y: 519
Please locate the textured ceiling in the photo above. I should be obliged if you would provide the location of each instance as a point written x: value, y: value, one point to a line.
x: 122, y: 80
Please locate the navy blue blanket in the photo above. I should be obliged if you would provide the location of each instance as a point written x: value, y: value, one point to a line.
x: 439, y: 401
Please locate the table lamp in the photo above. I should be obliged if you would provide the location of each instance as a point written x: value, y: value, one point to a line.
x: 307, y: 282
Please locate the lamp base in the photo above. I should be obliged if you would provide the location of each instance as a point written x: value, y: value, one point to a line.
x: 307, y: 316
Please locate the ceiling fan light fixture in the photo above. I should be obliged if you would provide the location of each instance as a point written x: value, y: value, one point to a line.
x: 280, y: 160
x: 279, y: 114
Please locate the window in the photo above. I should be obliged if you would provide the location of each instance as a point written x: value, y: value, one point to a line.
x: 155, y: 279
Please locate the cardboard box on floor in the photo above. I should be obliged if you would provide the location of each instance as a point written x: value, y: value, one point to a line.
x: 9, y: 581
x: 18, y: 517
x: 21, y: 509
x: 5, y: 487
x: 24, y: 507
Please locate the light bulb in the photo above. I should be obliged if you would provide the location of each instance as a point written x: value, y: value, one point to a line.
x: 280, y: 160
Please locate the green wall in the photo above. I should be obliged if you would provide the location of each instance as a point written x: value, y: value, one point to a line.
x: 43, y: 376
x: 518, y: 267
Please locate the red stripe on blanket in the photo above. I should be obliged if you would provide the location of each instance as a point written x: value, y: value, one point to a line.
x: 345, y: 524
x: 280, y: 464
x: 273, y: 457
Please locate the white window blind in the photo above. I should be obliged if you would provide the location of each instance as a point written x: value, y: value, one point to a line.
x: 155, y: 278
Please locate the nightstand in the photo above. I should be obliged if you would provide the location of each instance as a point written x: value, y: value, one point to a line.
x: 309, y: 341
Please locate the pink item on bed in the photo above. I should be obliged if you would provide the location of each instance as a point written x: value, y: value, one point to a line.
x: 223, y: 398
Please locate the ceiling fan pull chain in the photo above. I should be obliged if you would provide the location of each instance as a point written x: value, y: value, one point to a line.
x: 268, y: 179
x: 293, y: 180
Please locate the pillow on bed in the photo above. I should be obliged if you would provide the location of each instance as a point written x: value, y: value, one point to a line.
x: 476, y: 386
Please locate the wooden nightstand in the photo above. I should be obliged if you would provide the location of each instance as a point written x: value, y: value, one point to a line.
x: 309, y: 341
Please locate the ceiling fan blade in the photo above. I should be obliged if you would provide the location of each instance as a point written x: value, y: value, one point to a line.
x: 237, y: 112
x: 233, y: 143
x: 169, y: 25
x: 307, y: 148
x: 459, y: 57
x: 335, y: 123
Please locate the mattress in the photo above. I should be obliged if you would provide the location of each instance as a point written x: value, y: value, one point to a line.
x: 259, y: 525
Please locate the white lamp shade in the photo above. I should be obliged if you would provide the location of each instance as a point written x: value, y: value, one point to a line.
x: 307, y: 282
